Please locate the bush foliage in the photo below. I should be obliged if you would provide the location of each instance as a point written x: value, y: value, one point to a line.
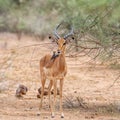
x: 99, y: 18
x: 37, y: 15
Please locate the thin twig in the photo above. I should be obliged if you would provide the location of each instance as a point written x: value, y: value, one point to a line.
x: 33, y: 45
x: 115, y: 81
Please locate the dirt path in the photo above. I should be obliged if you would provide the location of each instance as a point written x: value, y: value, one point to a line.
x: 87, y: 92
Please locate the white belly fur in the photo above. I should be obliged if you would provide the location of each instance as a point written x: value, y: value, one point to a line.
x: 49, y: 75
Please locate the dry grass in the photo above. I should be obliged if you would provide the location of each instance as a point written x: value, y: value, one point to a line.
x: 86, y: 93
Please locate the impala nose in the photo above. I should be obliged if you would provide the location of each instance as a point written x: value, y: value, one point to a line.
x: 59, y: 52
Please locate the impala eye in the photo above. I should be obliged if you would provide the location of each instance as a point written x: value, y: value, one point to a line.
x: 49, y: 37
x: 64, y: 43
x: 73, y: 38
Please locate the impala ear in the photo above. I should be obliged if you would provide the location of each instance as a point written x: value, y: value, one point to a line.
x: 49, y: 37
x: 73, y: 38
x: 52, y: 38
x: 68, y: 40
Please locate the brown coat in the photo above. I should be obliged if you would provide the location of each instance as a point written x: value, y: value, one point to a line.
x: 50, y: 68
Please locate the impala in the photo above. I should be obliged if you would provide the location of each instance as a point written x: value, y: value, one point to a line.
x: 53, y: 68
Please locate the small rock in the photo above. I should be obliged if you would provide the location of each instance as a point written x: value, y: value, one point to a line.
x: 75, y: 91
x: 21, y: 90
x: 38, y: 114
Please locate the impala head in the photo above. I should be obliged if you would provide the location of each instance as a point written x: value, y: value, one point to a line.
x: 62, y: 41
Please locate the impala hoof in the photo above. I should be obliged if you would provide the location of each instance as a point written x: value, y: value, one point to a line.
x: 38, y: 113
x: 62, y: 115
x: 52, y: 115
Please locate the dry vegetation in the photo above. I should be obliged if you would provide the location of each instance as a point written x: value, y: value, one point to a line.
x: 88, y: 93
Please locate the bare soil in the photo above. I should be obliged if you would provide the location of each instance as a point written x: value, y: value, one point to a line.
x: 88, y: 94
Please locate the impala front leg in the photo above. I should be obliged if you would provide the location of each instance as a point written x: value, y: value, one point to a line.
x: 42, y: 92
x: 61, y: 90
x: 54, y: 101
x: 49, y: 94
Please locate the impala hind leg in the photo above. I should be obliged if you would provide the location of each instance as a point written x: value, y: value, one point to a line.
x: 49, y: 93
x: 42, y: 92
x: 54, y: 101
x: 61, y: 90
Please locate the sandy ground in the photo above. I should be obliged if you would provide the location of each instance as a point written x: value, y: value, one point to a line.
x: 87, y: 93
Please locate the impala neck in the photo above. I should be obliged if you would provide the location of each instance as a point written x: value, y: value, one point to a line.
x: 62, y: 62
